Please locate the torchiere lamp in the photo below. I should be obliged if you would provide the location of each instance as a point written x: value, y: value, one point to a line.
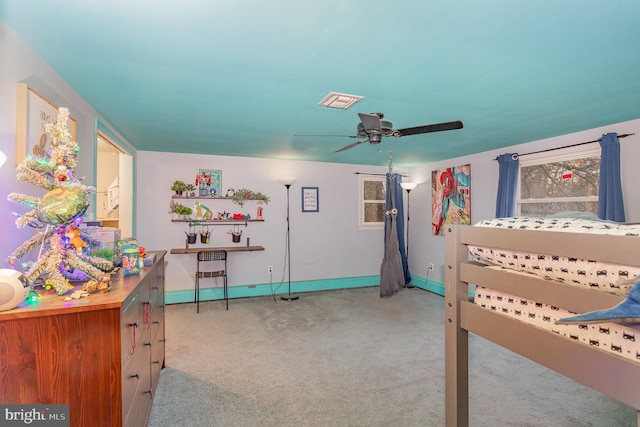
x: 288, y: 181
x: 408, y: 186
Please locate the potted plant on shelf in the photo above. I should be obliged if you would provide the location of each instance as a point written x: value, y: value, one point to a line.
x: 191, y: 190
x: 179, y: 187
x: 242, y: 195
x: 182, y: 211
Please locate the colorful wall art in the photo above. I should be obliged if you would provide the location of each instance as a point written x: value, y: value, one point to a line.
x: 450, y: 197
x: 209, y: 182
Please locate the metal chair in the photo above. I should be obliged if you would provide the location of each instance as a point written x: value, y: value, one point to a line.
x: 211, y: 259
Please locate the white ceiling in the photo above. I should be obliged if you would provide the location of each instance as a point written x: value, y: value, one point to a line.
x: 243, y: 78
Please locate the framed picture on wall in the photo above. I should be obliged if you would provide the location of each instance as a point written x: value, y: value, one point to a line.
x: 209, y: 182
x: 33, y: 112
x: 310, y: 201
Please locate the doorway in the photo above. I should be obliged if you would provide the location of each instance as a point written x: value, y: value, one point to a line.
x: 114, y: 186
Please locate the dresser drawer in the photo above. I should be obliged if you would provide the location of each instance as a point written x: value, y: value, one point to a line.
x: 157, y: 321
x: 130, y: 327
x: 140, y: 406
x: 157, y: 358
x: 135, y: 377
x: 156, y: 290
x: 158, y: 302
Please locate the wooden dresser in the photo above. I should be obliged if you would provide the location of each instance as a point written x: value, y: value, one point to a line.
x: 101, y: 354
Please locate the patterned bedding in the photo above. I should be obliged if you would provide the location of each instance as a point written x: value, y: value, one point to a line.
x: 623, y: 340
x: 593, y: 274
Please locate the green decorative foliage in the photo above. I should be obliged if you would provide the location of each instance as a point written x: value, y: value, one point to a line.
x: 182, y: 209
x: 179, y: 186
x: 242, y: 195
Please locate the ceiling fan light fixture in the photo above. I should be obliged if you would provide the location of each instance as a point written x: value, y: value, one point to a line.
x: 386, y: 129
x: 341, y: 101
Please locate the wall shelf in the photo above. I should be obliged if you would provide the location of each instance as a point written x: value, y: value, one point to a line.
x: 205, y: 223
x: 175, y: 196
x: 211, y: 248
x: 217, y: 221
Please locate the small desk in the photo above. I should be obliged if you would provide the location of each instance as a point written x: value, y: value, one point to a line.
x: 178, y: 251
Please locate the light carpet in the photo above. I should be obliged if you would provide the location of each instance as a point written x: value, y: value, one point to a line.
x: 350, y: 358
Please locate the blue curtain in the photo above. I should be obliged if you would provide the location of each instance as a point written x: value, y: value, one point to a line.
x: 508, y: 164
x: 394, y: 179
x: 610, y: 200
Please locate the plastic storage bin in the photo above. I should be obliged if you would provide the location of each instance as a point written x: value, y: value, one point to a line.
x: 109, y: 248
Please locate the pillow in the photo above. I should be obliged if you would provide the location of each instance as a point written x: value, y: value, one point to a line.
x: 628, y: 311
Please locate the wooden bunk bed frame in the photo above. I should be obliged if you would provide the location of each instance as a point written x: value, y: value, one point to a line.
x: 605, y: 372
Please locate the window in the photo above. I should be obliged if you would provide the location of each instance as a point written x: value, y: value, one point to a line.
x: 565, y: 182
x: 372, y: 200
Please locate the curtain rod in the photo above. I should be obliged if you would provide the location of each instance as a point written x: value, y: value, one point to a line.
x: 516, y: 155
x: 376, y: 174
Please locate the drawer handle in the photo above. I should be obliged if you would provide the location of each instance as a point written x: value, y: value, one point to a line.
x: 156, y: 362
x: 134, y: 336
x: 163, y: 340
x: 155, y: 287
x: 147, y: 313
x: 137, y: 375
x: 148, y: 391
x: 148, y: 343
x: 157, y: 322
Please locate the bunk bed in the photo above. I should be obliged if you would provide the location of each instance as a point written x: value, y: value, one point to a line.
x: 470, y: 282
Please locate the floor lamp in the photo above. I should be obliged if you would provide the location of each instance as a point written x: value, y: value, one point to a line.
x: 288, y: 181
x: 408, y: 186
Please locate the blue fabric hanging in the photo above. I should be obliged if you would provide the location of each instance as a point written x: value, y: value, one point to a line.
x: 508, y: 165
x: 394, y: 179
x: 610, y: 200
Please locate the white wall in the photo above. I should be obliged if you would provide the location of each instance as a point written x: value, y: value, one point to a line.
x: 327, y: 244
x: 426, y: 248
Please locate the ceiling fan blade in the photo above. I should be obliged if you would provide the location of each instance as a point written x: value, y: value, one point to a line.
x: 331, y: 136
x: 350, y: 146
x: 371, y: 122
x: 438, y: 127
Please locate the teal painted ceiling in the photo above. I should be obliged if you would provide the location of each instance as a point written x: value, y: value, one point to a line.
x: 243, y: 78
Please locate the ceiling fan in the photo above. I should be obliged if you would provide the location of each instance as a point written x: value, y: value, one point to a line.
x: 373, y: 127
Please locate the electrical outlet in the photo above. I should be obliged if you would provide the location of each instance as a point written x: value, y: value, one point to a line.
x: 270, y: 269
x: 431, y: 266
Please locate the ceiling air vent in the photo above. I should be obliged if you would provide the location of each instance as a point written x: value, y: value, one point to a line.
x: 339, y: 100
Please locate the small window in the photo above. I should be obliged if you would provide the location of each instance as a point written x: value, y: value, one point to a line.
x: 552, y: 184
x: 372, y: 200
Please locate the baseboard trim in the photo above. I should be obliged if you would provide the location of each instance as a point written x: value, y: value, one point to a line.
x: 428, y: 285
x: 268, y: 289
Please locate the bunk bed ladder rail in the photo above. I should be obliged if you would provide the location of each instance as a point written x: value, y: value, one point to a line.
x: 456, y: 338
